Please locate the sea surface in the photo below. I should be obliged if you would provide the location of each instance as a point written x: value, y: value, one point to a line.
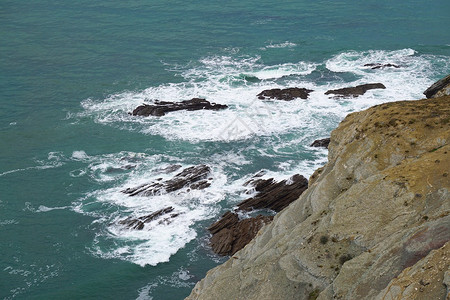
x: 71, y: 71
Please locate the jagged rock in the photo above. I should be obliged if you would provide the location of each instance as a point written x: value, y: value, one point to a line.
x: 285, y: 94
x: 275, y: 195
x: 321, y: 143
x: 370, y: 224
x: 231, y: 234
x: 139, y: 223
x: 375, y: 66
x: 355, y: 91
x: 192, y: 177
x: 160, y: 108
x: 439, y: 88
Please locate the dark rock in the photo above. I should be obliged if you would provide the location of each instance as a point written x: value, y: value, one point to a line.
x: 285, y: 94
x: 231, y: 234
x: 160, y: 108
x: 375, y: 66
x: 321, y: 143
x: 355, y: 91
x: 275, y: 195
x: 192, y: 177
x: 139, y: 223
x: 439, y: 88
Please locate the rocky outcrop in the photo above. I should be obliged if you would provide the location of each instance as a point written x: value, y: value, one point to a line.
x: 321, y: 143
x: 375, y: 66
x: 231, y: 233
x: 274, y: 195
x: 194, y: 177
x: 287, y: 94
x: 139, y: 222
x: 439, y: 88
x: 160, y: 108
x: 373, y: 224
x: 355, y: 91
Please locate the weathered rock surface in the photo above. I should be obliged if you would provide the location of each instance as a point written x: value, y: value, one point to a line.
x: 439, y: 88
x: 370, y: 224
x: 321, y: 143
x: 285, y: 94
x: 274, y: 195
x: 231, y: 234
x: 160, y: 108
x: 375, y: 66
x: 355, y: 91
x: 193, y: 177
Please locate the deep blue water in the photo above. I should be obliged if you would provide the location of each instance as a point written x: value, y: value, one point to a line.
x: 70, y: 71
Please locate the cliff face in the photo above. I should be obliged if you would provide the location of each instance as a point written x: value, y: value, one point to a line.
x: 373, y: 224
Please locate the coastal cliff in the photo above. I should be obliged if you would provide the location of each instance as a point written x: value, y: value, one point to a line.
x: 374, y: 222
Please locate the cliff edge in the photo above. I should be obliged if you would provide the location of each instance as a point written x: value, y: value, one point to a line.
x: 374, y: 222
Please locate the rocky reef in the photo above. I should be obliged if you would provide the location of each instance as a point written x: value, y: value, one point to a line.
x: 374, y: 222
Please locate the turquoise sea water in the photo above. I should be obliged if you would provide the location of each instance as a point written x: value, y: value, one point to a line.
x: 70, y: 71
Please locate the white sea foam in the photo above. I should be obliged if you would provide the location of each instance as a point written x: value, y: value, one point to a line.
x: 234, y: 82
x: 286, y: 44
x: 231, y: 81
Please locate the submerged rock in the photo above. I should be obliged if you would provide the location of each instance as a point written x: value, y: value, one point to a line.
x: 285, y: 94
x: 439, y: 88
x: 230, y: 234
x: 192, y: 177
x: 375, y: 66
x: 374, y: 223
x: 160, y: 108
x: 321, y: 143
x: 355, y: 91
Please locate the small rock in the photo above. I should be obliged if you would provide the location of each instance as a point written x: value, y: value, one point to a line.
x: 375, y: 66
x: 285, y: 94
x: 139, y: 223
x: 160, y: 108
x: 355, y: 91
x: 321, y: 143
x: 190, y: 177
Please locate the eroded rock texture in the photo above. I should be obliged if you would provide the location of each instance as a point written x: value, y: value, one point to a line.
x: 373, y: 224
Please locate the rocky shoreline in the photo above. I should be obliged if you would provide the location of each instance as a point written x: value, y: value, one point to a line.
x: 374, y: 222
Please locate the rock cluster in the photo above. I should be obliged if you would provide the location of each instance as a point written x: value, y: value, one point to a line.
x: 160, y: 108
x: 373, y: 224
x: 231, y: 234
x: 194, y: 177
x: 355, y: 91
x: 287, y: 94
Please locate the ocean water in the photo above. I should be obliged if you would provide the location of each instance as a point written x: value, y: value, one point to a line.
x: 71, y: 71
